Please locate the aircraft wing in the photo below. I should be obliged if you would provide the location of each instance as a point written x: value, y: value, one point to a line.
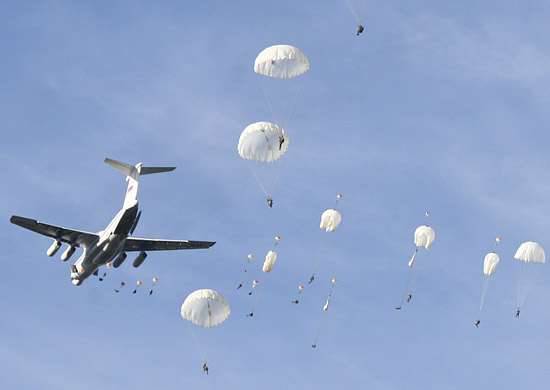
x: 68, y: 236
x: 144, y: 244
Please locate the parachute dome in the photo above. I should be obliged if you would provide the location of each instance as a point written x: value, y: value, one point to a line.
x: 281, y: 62
x: 490, y: 263
x: 330, y: 220
x: 269, y: 262
x: 424, y: 236
x: 530, y: 252
x: 261, y: 141
x: 205, y: 308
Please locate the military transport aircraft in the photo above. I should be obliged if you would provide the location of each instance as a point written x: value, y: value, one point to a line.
x: 111, y: 244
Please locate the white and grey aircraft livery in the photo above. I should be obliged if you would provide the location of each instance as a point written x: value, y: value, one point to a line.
x: 111, y: 244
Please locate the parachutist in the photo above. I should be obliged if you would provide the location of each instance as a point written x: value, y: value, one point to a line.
x: 360, y: 29
x: 239, y: 286
x: 251, y: 314
x: 313, y: 345
x: 517, y: 313
x: 311, y: 279
x: 398, y: 308
x: 281, y: 141
x: 269, y: 201
x: 250, y: 293
x: 135, y: 291
x: 477, y: 323
x: 117, y: 291
x: 151, y: 292
x: 295, y: 301
x: 205, y: 368
x: 409, y: 298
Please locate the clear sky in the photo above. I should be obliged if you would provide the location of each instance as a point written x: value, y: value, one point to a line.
x: 438, y: 106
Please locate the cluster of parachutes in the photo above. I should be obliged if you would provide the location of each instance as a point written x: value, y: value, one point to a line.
x: 265, y: 142
x: 528, y: 253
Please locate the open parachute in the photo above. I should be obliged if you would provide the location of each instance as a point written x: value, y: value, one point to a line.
x: 330, y: 220
x: 530, y: 252
x: 281, y: 62
x: 263, y: 141
x: 490, y: 263
x: 205, y: 308
x: 424, y: 236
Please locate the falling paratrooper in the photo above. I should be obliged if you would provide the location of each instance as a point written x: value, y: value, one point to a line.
x: 205, y: 308
x: 529, y: 252
x: 263, y: 142
x: 424, y: 237
x: 490, y: 263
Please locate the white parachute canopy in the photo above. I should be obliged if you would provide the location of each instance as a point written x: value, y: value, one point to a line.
x: 330, y: 220
x: 270, y: 260
x: 424, y: 236
x: 205, y: 308
x: 263, y: 141
x: 530, y: 252
x: 490, y: 263
x: 281, y: 62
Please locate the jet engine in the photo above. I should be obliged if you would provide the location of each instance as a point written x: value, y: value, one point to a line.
x: 68, y: 253
x: 119, y: 260
x: 139, y: 259
x: 52, y: 250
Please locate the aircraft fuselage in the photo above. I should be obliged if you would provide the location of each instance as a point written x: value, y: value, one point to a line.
x: 109, y: 245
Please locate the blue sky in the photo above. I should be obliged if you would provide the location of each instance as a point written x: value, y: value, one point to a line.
x: 438, y: 106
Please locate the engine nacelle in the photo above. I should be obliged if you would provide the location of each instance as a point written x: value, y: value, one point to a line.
x: 68, y: 253
x: 119, y: 260
x: 139, y: 259
x: 52, y: 250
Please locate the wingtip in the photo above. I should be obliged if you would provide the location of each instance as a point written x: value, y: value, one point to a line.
x: 16, y: 219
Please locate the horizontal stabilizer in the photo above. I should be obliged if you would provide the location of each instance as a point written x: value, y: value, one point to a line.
x: 123, y: 167
x: 136, y: 170
x: 150, y: 170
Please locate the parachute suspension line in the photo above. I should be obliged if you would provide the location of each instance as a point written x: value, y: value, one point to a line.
x: 294, y: 108
x: 353, y: 11
x: 483, y: 293
x: 268, y: 101
x: 323, y: 314
x: 406, y: 296
x: 258, y: 181
x: 523, y: 287
x: 198, y: 345
x: 413, y: 258
x: 520, y: 287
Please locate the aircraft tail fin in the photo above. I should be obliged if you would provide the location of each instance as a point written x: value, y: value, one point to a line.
x: 132, y: 173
